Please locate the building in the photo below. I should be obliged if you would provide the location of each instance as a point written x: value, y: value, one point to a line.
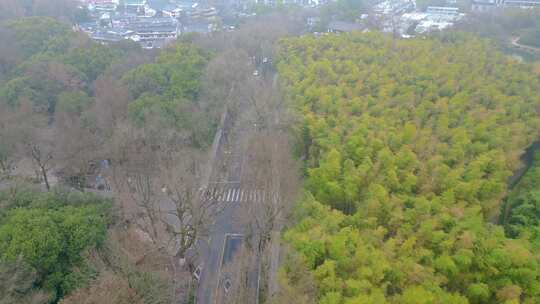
x: 451, y: 12
x: 310, y: 3
x: 435, y: 18
x: 203, y: 12
x: 485, y: 5
x: 101, y: 6
x: 438, y: 18
x: 172, y: 11
x: 107, y: 37
x: 489, y: 5
x: 148, y: 32
x: 521, y: 3
x: 153, y: 29
x: 394, y: 7
x: 134, y: 6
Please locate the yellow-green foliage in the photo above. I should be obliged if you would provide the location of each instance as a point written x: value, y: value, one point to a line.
x: 409, y: 145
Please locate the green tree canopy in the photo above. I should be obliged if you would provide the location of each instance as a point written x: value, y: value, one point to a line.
x: 50, y: 232
x: 409, y: 145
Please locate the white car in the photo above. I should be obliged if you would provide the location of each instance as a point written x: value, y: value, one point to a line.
x: 256, y: 73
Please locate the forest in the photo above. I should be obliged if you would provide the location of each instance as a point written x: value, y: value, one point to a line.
x: 65, y: 102
x: 51, y: 231
x: 382, y: 170
x: 55, y: 79
x: 104, y: 151
x: 408, y: 149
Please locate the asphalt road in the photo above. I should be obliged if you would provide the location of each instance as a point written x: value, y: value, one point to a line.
x: 226, y: 175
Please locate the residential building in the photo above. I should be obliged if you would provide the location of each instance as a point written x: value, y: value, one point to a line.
x: 311, y: 3
x: 521, y: 3
x: 485, y: 5
x: 443, y: 11
x: 394, y: 7
x: 151, y: 29
x: 134, y: 6
x: 489, y: 5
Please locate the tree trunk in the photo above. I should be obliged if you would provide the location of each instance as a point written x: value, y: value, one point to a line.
x: 45, y: 177
x: 4, y: 168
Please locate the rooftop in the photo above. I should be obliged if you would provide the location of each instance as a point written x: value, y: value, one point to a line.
x: 134, y: 2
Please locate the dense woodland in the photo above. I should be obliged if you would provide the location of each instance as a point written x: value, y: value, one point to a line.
x: 408, y: 150
x: 66, y: 104
x: 51, y: 231
x: 409, y: 146
x: 74, y: 112
x: 57, y: 80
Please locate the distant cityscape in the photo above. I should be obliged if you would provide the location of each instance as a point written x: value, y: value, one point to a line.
x: 150, y: 23
x: 404, y: 19
x: 154, y: 23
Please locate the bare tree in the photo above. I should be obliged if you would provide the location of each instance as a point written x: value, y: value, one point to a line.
x: 270, y: 168
x: 224, y: 78
x: 159, y: 177
x: 110, y: 107
x: 107, y: 288
x: 258, y: 37
x: 8, y: 140
x: 193, y: 209
x: 134, y: 172
x: 77, y: 145
x: 36, y: 141
x: 42, y: 156
x: 143, y: 193
x: 19, y: 284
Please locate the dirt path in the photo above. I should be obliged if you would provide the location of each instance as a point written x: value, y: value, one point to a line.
x: 515, y: 43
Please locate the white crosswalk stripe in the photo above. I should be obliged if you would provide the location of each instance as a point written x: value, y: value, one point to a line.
x: 234, y: 195
x: 241, y: 196
x: 221, y: 195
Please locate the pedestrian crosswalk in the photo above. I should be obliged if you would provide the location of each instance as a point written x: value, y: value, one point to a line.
x: 234, y: 195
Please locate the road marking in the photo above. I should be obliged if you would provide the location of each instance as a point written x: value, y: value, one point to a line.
x: 221, y: 195
x: 229, y: 195
x: 237, y: 197
x: 241, y: 199
x: 233, y: 195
